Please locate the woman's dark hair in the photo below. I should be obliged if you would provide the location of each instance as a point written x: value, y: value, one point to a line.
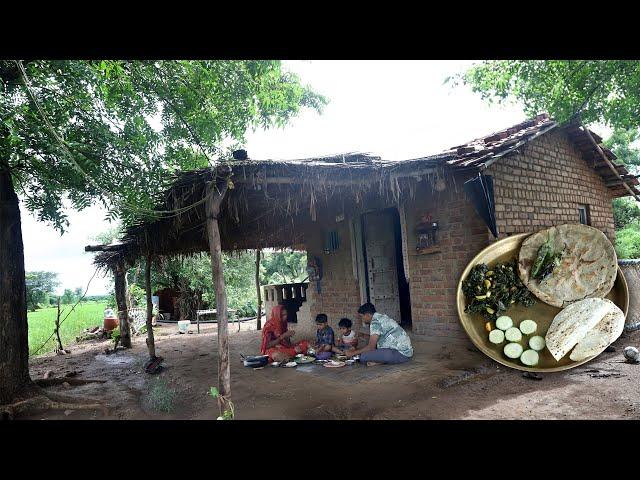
x: 322, y: 318
x: 345, y: 323
x: 367, y: 308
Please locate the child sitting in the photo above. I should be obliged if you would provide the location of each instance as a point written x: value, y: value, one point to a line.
x: 324, y: 336
x: 348, y: 338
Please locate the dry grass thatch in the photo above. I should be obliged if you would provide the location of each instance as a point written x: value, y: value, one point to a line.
x: 271, y: 202
x: 268, y: 205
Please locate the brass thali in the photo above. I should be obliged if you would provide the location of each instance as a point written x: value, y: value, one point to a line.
x: 542, y: 313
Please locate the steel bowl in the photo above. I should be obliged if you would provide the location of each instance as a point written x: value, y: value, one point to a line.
x: 502, y: 251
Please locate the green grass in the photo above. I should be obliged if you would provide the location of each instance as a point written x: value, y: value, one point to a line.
x: 160, y: 397
x: 42, y: 323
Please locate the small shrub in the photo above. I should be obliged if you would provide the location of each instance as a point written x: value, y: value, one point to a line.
x: 115, y: 334
x: 161, y: 398
x: 227, y: 414
x: 246, y: 309
x: 628, y: 241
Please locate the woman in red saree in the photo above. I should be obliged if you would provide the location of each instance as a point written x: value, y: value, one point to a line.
x: 276, y: 337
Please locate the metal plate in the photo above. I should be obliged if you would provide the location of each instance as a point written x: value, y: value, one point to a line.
x: 543, y: 314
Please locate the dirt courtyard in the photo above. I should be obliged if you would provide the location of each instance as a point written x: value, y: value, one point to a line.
x: 442, y: 381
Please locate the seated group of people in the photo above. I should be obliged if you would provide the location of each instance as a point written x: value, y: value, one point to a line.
x: 388, y: 342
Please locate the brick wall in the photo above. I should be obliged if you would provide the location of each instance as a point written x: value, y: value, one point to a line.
x: 538, y: 189
x: 544, y: 186
x: 434, y: 277
x: 340, y: 291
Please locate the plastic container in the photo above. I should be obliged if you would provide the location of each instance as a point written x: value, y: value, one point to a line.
x: 183, y: 326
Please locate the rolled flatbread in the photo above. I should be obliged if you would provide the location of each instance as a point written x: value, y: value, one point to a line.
x: 601, y: 336
x: 573, y: 323
x: 588, y: 266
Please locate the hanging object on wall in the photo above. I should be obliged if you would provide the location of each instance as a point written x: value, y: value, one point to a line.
x: 314, y: 271
x: 404, y: 236
x: 480, y: 191
x: 426, y: 241
x: 332, y: 242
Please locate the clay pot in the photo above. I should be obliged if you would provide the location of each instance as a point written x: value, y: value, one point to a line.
x: 110, y: 323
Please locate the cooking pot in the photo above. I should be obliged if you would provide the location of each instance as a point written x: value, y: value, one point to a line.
x: 256, y: 361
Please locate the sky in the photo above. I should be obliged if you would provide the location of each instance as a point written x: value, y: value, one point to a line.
x: 393, y: 109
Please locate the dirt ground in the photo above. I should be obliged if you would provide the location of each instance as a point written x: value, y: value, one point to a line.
x: 442, y: 381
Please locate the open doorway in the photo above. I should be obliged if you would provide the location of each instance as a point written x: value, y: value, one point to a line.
x: 385, y: 281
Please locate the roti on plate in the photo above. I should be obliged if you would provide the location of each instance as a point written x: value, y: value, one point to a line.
x: 590, y: 325
x: 588, y: 264
x: 601, y: 336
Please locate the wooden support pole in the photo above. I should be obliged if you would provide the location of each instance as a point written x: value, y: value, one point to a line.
x: 258, y: 289
x: 147, y: 286
x: 119, y: 273
x: 216, y: 190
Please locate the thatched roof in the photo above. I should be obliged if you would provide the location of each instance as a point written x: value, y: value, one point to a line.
x: 271, y: 200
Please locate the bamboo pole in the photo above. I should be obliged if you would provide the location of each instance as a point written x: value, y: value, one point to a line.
x: 147, y: 285
x: 608, y: 162
x: 216, y: 190
x: 258, y: 289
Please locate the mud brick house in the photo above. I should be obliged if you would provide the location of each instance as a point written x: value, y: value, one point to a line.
x: 396, y: 233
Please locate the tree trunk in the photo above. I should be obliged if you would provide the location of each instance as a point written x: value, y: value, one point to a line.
x: 147, y: 285
x: 216, y: 190
x: 258, y: 289
x: 121, y: 299
x: 14, y: 338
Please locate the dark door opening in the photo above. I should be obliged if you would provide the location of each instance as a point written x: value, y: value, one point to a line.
x: 386, y: 284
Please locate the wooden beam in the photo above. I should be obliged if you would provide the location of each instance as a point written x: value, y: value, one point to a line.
x: 216, y: 189
x: 151, y: 344
x: 608, y: 162
x: 258, y: 290
x: 356, y: 180
x: 604, y: 167
x: 630, y: 181
x: 104, y: 248
x: 119, y: 274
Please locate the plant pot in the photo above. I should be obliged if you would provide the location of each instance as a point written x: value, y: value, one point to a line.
x: 110, y: 323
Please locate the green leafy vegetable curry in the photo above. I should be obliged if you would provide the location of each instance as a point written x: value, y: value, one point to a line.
x: 490, y: 292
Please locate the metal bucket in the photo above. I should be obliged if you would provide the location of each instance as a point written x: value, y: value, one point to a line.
x: 631, y: 271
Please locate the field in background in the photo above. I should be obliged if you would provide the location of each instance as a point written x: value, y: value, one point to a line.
x: 41, y: 324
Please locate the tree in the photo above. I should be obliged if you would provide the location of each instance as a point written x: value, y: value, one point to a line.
x: 67, y: 297
x: 605, y: 91
x: 190, y: 277
x: 621, y: 142
x: 39, y: 286
x: 283, y: 267
x: 625, y: 211
x: 111, y: 131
